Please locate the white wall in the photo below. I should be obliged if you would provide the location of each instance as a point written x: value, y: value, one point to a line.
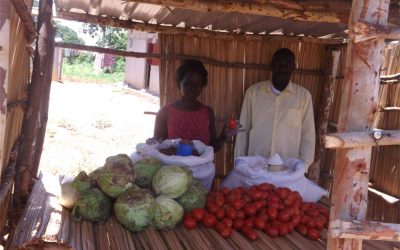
x: 135, y: 67
x: 154, y: 80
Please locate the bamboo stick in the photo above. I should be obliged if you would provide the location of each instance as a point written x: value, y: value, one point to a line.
x: 362, y: 139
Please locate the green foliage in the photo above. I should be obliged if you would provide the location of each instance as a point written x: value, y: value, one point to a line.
x: 68, y: 35
x: 107, y: 37
x: 83, y: 72
x: 84, y: 58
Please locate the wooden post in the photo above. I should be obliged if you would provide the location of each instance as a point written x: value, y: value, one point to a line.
x: 359, y: 104
x: 42, y: 66
x: 323, y: 113
x: 4, y: 72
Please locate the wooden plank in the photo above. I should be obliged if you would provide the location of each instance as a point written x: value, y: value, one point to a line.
x: 281, y: 9
x: 362, y: 139
x: 365, y: 31
x: 358, y: 105
x: 323, y: 114
x: 24, y: 14
x: 4, y: 73
x: 147, y: 27
x: 366, y: 230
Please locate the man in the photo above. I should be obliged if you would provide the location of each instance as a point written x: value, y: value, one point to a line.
x: 277, y: 115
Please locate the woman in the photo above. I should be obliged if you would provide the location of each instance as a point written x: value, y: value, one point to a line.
x: 187, y: 118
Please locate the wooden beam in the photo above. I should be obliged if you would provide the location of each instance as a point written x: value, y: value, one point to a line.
x: 175, y: 57
x: 42, y: 66
x: 24, y: 14
x: 388, y: 109
x: 128, y: 24
x: 365, y: 230
x: 281, y: 9
x: 362, y: 139
x: 4, y: 72
x: 365, y: 31
x: 357, y: 109
x: 323, y: 113
x: 390, y: 79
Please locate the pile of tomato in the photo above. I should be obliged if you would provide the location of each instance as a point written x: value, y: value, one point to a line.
x: 276, y: 211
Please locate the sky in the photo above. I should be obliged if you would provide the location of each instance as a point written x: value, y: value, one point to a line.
x: 77, y: 26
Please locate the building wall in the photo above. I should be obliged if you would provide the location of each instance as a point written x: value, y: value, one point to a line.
x: 154, y: 86
x: 135, y: 67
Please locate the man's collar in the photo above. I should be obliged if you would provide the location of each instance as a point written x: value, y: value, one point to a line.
x: 289, y: 87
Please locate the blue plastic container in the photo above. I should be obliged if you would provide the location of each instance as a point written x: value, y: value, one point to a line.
x: 184, y: 149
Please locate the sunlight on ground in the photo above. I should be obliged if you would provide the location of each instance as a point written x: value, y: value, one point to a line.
x: 89, y: 122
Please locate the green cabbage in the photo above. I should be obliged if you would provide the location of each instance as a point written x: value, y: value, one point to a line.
x: 92, y: 205
x: 135, y: 209
x: 172, y: 181
x: 81, y: 182
x: 168, y: 213
x: 194, y: 197
x: 116, y: 176
x: 146, y: 169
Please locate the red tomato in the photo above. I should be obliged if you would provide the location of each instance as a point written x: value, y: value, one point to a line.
x: 230, y: 213
x: 271, y: 231
x: 304, y: 206
x: 259, y: 223
x: 281, y: 192
x: 232, y: 123
x: 189, y: 222
x: 272, y: 203
x: 288, y: 201
x: 236, y: 204
x: 249, y: 222
x: 296, y: 220
x: 212, y: 207
x: 273, y: 197
x: 250, y: 209
x: 283, y: 229
x: 290, y: 226
x: 224, y: 191
x: 219, y: 199
x: 251, y: 235
x: 240, y: 214
x: 245, y: 228
x: 302, y: 229
x: 237, y: 223
x: 219, y: 225
x: 272, y: 213
x: 255, y: 195
x: 198, y: 214
x: 312, y: 212
x: 310, y: 223
x: 209, y: 220
x: 225, y: 232
x: 228, y: 222
x: 284, y: 216
x: 313, y: 234
x: 220, y: 213
x: 265, y: 186
x: 258, y: 205
x: 319, y: 224
x: 246, y: 198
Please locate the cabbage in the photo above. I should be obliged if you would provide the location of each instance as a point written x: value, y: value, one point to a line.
x: 146, y: 169
x: 69, y: 195
x: 168, y: 213
x: 92, y: 205
x: 194, y: 197
x: 172, y: 181
x: 134, y: 209
x: 116, y: 176
x: 81, y: 181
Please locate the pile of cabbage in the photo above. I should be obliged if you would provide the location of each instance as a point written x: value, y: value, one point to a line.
x: 143, y: 194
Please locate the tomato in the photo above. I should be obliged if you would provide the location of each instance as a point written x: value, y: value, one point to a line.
x: 288, y: 201
x: 237, y: 223
x: 272, y: 213
x: 219, y: 225
x: 258, y: 205
x: 312, y: 212
x: 245, y: 228
x: 284, y: 216
x: 189, y: 222
x: 225, y: 232
x: 212, y: 207
x: 263, y: 214
x: 273, y: 197
x: 220, y: 213
x: 219, y: 199
x: 313, y: 234
x: 302, y: 229
x: 265, y: 186
x: 271, y: 231
x: 304, y: 218
x: 251, y: 235
x: 250, y: 209
x: 310, y: 223
x: 228, y: 222
x: 281, y: 192
x: 304, y: 206
x: 283, y: 229
x: 246, y: 198
x: 236, y: 204
x: 224, y: 190
x: 230, y: 213
x: 255, y: 195
x: 259, y: 223
x: 249, y: 222
x: 240, y: 214
x: 198, y: 214
x: 319, y: 224
x: 272, y: 203
x: 296, y: 220
x: 232, y: 123
x: 290, y: 226
x: 209, y: 220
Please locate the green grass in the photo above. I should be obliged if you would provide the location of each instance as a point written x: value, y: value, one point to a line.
x: 84, y: 72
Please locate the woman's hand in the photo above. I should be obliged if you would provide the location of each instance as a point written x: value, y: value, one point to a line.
x: 231, y: 128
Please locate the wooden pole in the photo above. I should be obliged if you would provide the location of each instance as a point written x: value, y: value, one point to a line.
x: 362, y: 139
x: 281, y: 9
x: 359, y: 104
x: 24, y: 13
x: 4, y: 72
x: 42, y: 65
x: 323, y: 113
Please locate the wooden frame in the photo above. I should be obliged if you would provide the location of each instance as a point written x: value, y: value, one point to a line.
x: 365, y: 230
x: 362, y: 139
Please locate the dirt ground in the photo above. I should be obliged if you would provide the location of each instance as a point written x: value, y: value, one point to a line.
x: 89, y: 122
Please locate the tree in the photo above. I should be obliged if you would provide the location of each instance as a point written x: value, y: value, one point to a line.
x: 107, y: 37
x: 67, y: 34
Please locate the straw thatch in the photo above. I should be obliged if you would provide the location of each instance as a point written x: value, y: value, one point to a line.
x: 227, y: 86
